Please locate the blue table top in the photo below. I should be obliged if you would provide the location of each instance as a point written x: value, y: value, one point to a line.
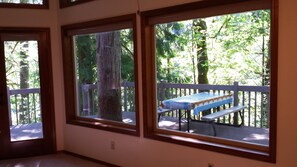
x: 199, y: 102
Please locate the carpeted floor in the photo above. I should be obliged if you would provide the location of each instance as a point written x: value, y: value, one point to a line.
x: 53, y: 160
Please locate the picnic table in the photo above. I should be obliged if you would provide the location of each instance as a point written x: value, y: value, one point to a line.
x: 198, y: 102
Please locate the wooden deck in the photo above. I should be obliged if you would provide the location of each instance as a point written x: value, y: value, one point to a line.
x: 244, y: 134
x: 26, y: 132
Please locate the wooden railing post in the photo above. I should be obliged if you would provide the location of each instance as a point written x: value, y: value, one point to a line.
x: 86, y: 99
x: 162, y: 91
x: 9, y: 107
x: 235, y: 102
x: 125, y: 95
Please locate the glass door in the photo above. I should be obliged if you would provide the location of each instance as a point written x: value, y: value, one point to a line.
x: 26, y: 100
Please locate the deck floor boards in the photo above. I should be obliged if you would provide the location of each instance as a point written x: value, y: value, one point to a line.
x: 26, y: 132
x: 242, y: 133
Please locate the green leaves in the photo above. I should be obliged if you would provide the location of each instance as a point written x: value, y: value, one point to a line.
x: 235, y: 48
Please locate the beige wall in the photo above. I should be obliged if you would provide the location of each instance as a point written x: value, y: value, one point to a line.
x: 141, y: 152
x: 138, y: 151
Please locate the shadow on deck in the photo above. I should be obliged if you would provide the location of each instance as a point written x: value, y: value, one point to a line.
x: 26, y: 132
x: 242, y: 133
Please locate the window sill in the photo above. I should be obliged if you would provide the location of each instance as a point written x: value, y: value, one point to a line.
x: 106, y: 125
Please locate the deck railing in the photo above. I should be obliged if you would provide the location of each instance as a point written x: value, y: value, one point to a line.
x: 255, y: 98
x: 89, y: 96
x: 25, y: 106
x: 25, y: 103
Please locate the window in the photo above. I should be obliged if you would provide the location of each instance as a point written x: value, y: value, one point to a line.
x: 210, y: 75
x: 66, y: 3
x: 24, y: 4
x: 100, y: 76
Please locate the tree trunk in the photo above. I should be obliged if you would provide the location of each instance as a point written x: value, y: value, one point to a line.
x: 24, y: 66
x: 24, y: 82
x: 200, y: 29
x: 109, y: 75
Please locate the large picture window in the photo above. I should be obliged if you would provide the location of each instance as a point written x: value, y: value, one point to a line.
x: 212, y: 67
x: 100, y: 75
x: 24, y: 3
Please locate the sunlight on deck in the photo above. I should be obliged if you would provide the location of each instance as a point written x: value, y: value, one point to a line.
x: 242, y: 133
x: 26, y: 132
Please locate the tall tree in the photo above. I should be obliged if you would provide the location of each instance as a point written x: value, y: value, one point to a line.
x: 199, y: 31
x: 24, y: 66
x: 24, y: 80
x: 109, y: 75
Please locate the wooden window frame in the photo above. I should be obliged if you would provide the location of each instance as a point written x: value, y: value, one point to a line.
x: 67, y: 3
x: 45, y: 5
x: 181, y: 12
x: 68, y: 31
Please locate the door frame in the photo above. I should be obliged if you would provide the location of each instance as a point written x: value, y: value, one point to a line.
x: 47, y: 144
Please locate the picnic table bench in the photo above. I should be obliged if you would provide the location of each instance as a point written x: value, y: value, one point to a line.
x: 211, y: 117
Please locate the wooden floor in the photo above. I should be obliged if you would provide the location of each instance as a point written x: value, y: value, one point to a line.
x: 243, y: 134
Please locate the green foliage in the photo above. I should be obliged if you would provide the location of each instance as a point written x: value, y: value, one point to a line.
x: 236, y: 49
x: 85, y: 52
x: 127, y: 57
x: 86, y: 58
x: 13, y: 57
x: 169, y: 42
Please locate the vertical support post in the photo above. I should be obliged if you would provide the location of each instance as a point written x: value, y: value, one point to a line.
x: 86, y: 99
x: 235, y: 102
x: 125, y: 85
x: 9, y: 106
x: 28, y: 108
x: 162, y: 91
x: 268, y: 109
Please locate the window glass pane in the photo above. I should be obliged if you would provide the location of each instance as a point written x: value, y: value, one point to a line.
x: 23, y: 81
x: 231, y: 55
x: 105, y: 75
x: 22, y: 1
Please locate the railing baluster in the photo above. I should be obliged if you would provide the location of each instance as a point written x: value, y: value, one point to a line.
x: 16, y: 109
x: 255, y: 118
x: 243, y: 103
x: 39, y: 98
x: 28, y: 108
x: 22, y: 109
x: 34, y: 107
x: 9, y: 107
x: 249, y: 111
x: 133, y: 104
x: 235, y: 103
x: 261, y: 109
x: 125, y: 95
